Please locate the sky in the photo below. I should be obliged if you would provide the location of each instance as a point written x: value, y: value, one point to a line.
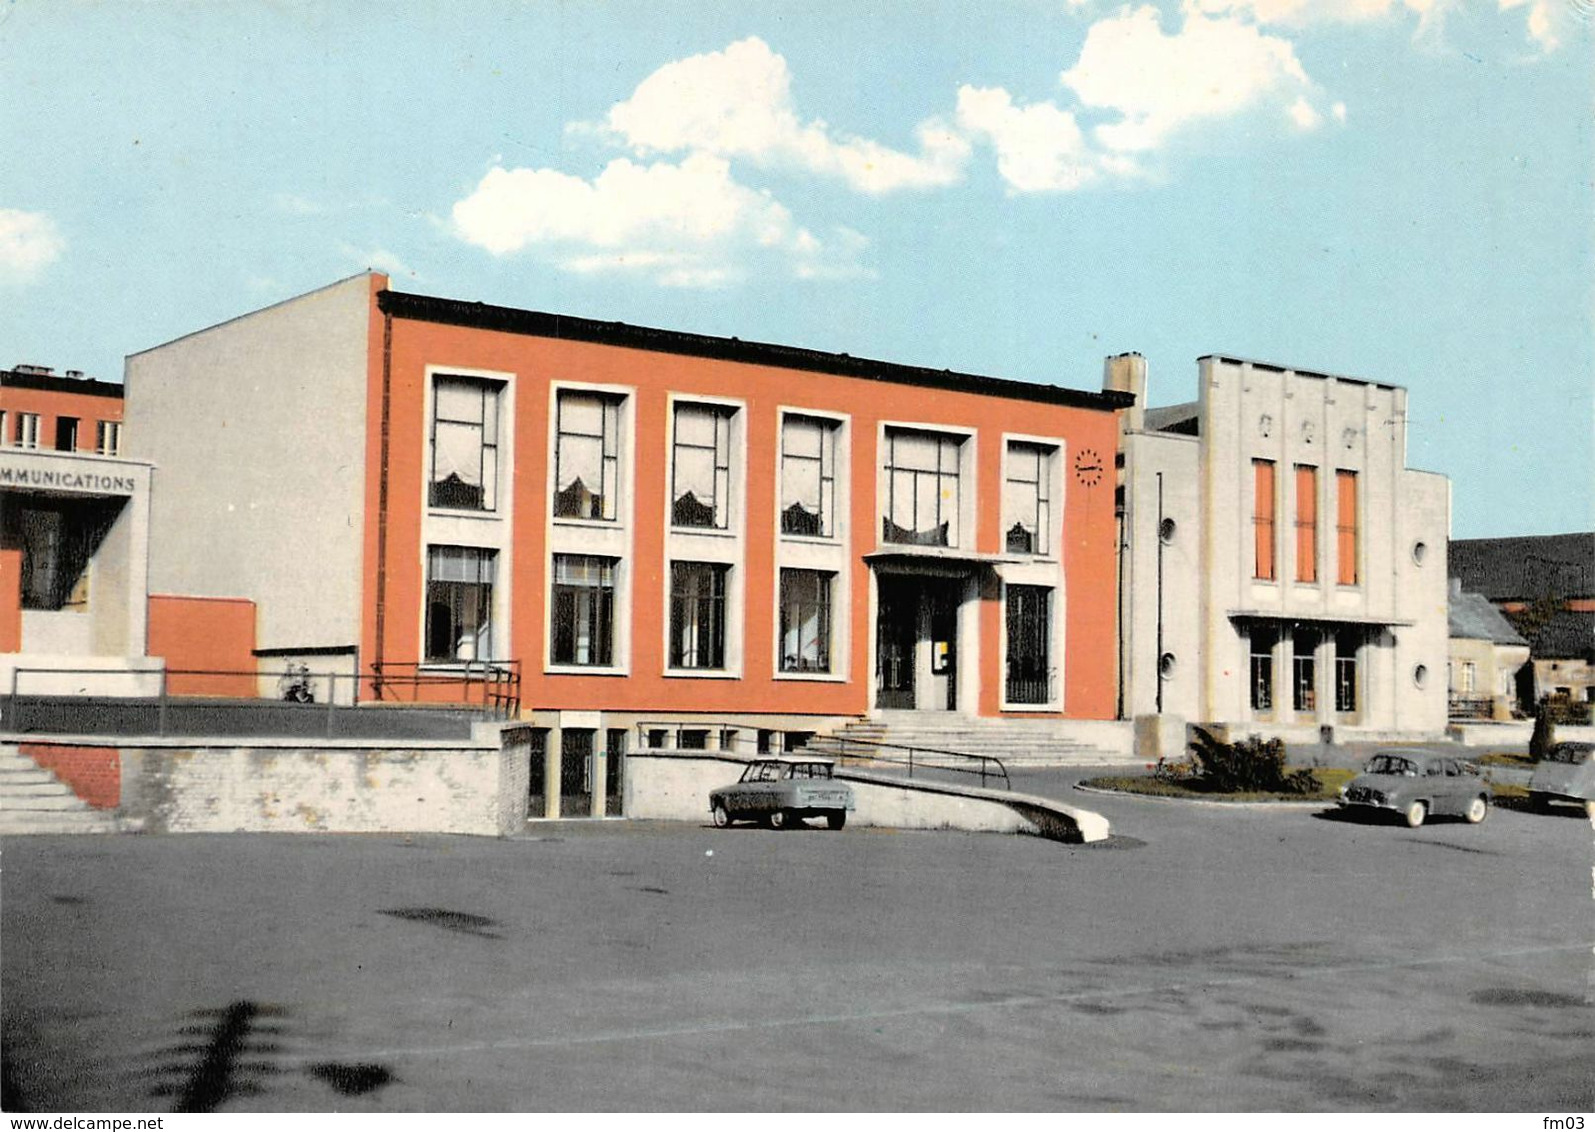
x: 1400, y: 191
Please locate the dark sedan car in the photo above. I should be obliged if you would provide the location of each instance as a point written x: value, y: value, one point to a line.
x: 1566, y: 773
x: 1418, y: 785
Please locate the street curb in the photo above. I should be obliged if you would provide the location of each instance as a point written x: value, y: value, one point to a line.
x: 1322, y: 804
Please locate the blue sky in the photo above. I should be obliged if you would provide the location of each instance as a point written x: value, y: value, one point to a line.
x: 1398, y: 190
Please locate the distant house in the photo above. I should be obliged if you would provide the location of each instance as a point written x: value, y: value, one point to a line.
x: 1488, y: 658
x: 1545, y: 585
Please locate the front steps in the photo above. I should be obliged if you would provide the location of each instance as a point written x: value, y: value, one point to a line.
x: 1017, y: 742
x: 32, y: 800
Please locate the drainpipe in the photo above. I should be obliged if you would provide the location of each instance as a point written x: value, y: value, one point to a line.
x: 1157, y: 665
x: 382, y: 505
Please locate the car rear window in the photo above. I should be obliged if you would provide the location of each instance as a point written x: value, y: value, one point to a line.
x: 1391, y: 764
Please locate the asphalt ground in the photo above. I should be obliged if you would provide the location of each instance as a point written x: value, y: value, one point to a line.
x: 1253, y: 959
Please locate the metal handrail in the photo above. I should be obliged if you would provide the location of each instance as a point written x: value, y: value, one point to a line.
x: 826, y: 744
x: 499, y: 680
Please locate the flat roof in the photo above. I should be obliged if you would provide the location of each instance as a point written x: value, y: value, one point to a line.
x: 511, y: 320
x: 1277, y: 368
x: 57, y: 383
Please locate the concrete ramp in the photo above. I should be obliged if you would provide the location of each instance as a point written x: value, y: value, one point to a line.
x: 675, y: 787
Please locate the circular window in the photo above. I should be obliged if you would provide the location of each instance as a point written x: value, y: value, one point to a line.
x: 1420, y: 675
x: 1420, y: 551
x: 1165, y: 665
x: 1165, y: 531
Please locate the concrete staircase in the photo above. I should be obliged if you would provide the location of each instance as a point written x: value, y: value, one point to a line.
x: 1017, y: 742
x: 32, y: 800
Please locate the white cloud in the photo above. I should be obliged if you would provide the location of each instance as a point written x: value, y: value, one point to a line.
x: 1546, y: 21
x: 1159, y: 83
x: 737, y: 103
x: 29, y: 242
x: 1040, y: 148
x: 689, y: 224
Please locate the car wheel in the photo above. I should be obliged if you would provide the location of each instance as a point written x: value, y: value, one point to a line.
x: 780, y: 819
x: 1589, y: 810
x: 1538, y: 802
x: 1416, y: 813
x: 836, y: 819
x: 1477, y: 809
x: 722, y: 816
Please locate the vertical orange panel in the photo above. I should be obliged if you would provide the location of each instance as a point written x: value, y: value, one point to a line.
x: 1263, y: 518
x: 1306, y: 523
x: 1346, y: 528
x: 10, y: 601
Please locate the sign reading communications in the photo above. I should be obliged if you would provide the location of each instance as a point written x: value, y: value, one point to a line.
x: 13, y: 476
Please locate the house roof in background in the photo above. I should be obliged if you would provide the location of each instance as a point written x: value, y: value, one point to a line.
x: 1526, y: 567
x: 1473, y: 618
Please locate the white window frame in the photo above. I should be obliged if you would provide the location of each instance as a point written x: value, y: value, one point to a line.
x: 28, y: 429
x: 108, y: 429
x: 968, y: 440
x: 1052, y: 449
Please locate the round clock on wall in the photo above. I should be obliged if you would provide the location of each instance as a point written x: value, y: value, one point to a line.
x: 1088, y: 467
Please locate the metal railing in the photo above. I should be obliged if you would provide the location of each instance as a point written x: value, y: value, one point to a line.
x: 492, y: 685
x: 1471, y: 707
x: 988, y: 767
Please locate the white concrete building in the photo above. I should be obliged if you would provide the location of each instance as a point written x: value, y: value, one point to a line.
x: 1282, y: 570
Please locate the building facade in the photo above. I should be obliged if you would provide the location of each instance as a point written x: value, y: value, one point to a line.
x: 652, y: 525
x: 73, y: 540
x: 1282, y: 568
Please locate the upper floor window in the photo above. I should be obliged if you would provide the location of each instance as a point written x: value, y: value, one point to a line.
x: 808, y: 476
x: 700, y: 466
x: 459, y: 603
x: 922, y: 488
x: 1263, y: 519
x: 1346, y: 528
x: 66, y: 434
x: 108, y: 438
x: 586, y: 455
x: 27, y: 433
x: 1027, y: 499
x: 465, y: 430
x: 1306, y: 523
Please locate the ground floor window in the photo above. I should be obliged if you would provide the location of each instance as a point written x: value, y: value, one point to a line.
x: 459, y: 603
x: 582, y: 621
x: 805, y: 621
x: 58, y: 539
x: 1347, y: 642
x: 1029, y: 616
x: 1304, y: 672
x: 697, y: 614
x: 1262, y: 668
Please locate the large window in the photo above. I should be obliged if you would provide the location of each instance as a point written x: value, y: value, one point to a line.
x: 808, y: 476
x: 697, y: 614
x: 1346, y: 528
x: 1347, y: 642
x: 1262, y: 675
x: 108, y: 438
x: 27, y: 434
x: 66, y: 434
x: 805, y: 621
x: 700, y: 467
x: 922, y: 488
x: 1306, y: 523
x: 1029, y: 645
x: 586, y: 455
x: 1027, y: 499
x: 465, y: 444
x: 1263, y: 519
x: 1304, y: 671
x: 459, y: 603
x: 582, y: 624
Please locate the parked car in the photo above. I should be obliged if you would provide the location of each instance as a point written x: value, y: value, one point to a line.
x: 1566, y: 773
x: 1418, y: 785
x: 782, y: 791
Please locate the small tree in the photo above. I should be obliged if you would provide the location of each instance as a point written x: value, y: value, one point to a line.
x: 1251, y: 764
x: 1544, y: 731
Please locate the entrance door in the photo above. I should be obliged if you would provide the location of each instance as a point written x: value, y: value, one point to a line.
x: 916, y: 642
x: 896, y: 634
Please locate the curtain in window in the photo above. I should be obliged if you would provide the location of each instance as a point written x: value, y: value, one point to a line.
x: 805, y: 621
x: 701, y: 460
x: 587, y: 456
x: 808, y: 459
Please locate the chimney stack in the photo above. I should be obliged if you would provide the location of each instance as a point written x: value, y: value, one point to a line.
x: 1126, y: 373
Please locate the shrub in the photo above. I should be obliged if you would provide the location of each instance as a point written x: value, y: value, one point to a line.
x: 1250, y: 764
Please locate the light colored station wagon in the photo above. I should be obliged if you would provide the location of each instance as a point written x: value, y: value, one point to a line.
x: 1418, y: 785
x: 1566, y: 773
x: 783, y: 791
